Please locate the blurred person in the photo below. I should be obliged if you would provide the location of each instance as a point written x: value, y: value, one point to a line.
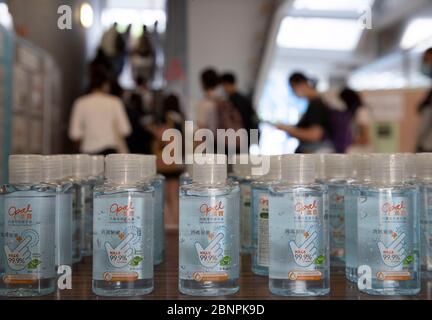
x: 122, y: 50
x: 313, y: 129
x: 242, y: 103
x: 99, y: 122
x: 361, y: 121
x: 142, y: 89
x: 109, y: 47
x: 424, y: 138
x: 143, y: 57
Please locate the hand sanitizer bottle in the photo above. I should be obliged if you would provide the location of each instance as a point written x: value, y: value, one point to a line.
x: 123, y: 229
x: 96, y: 178
x: 424, y: 176
x: 388, y: 230
x: 338, y: 171
x: 82, y: 207
x: 242, y: 169
x: 209, y: 230
x: 260, y: 216
x: 29, y: 225
x: 361, y: 175
x: 158, y: 183
x: 53, y: 173
x: 299, y: 234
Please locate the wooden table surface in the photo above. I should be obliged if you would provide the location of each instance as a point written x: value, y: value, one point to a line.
x: 251, y: 286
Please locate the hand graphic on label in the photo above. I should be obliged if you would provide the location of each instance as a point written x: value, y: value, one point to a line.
x: 18, y: 258
x: 305, y: 253
x: 120, y: 256
x: 395, y: 253
x: 213, y: 254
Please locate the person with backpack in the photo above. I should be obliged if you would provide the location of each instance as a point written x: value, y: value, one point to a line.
x: 314, y: 130
x: 361, y: 118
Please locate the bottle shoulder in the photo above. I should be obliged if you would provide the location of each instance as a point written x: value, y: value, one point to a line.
x: 198, y: 189
x: 109, y: 188
x: 283, y: 187
x: 47, y: 189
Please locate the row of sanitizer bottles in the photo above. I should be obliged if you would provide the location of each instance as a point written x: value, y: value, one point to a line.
x: 58, y: 209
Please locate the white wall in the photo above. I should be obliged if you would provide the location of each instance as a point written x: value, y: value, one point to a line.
x: 227, y: 35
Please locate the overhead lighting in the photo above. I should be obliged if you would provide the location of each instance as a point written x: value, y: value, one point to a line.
x: 418, y: 30
x: 86, y: 15
x: 319, y: 34
x: 333, y: 5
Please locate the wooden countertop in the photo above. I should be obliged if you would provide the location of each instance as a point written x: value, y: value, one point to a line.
x: 251, y: 286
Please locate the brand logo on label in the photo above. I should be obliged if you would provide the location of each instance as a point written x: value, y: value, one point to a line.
x: 394, y: 209
x: 120, y: 210
x: 216, y: 210
x: 303, y: 208
x: 264, y: 201
x: 337, y: 198
x: 23, y: 213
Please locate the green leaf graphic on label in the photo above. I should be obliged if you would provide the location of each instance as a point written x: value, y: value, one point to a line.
x: 264, y: 215
x: 319, y: 260
x: 33, y: 264
x: 408, y: 260
x: 225, y: 261
x: 136, y: 261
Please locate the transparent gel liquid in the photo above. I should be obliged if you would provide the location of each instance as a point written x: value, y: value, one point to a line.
x: 64, y: 224
x: 28, y: 241
x: 352, y: 196
x: 425, y: 197
x: 336, y: 191
x: 209, y: 240
x: 245, y: 217
x: 260, y: 228
x: 87, y: 224
x: 388, y: 237
x: 159, y: 225
x: 299, y: 249
x: 123, y: 241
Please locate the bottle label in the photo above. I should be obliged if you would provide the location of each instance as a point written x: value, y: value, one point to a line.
x: 297, y: 237
x: 29, y: 238
x: 123, y: 238
x: 386, y: 235
x: 209, y: 238
x: 263, y: 230
x: 245, y: 215
x: 63, y: 243
x: 337, y: 221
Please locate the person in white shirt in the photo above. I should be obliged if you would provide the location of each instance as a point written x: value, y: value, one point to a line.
x: 206, y: 109
x: 99, y: 123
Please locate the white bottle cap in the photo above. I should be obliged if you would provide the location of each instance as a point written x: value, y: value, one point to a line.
x: 387, y: 168
x: 320, y: 166
x: 210, y: 168
x: 424, y: 166
x: 247, y: 166
x: 148, y: 166
x: 410, y: 166
x: 25, y: 169
x: 361, y: 164
x: 337, y: 166
x: 80, y: 166
x: 97, y: 166
x: 298, y: 168
x: 275, y: 172
x: 66, y: 164
x: 52, y: 168
x: 123, y: 168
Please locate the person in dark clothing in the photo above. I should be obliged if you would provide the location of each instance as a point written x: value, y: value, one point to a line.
x: 314, y: 128
x: 424, y: 138
x: 242, y: 103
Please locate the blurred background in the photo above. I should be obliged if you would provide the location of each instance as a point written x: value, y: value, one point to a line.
x: 153, y: 53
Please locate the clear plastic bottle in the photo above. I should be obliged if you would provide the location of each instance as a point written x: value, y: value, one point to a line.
x: 260, y: 216
x: 28, y: 237
x: 299, y: 234
x: 186, y: 177
x: 53, y: 173
x: 82, y: 204
x: 338, y: 172
x: 388, y: 230
x: 361, y: 175
x: 209, y: 231
x: 424, y: 175
x: 2, y: 217
x: 96, y: 178
x: 242, y: 173
x: 158, y: 183
x: 320, y: 167
x: 123, y: 230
